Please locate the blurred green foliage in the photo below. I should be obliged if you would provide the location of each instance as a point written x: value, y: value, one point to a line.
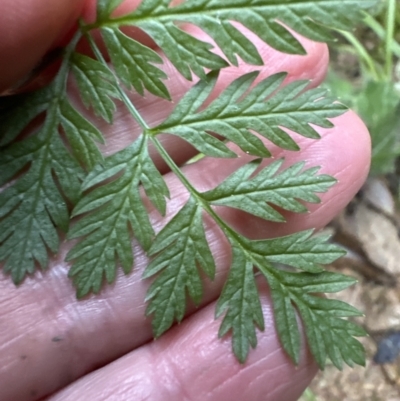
x: 373, y: 89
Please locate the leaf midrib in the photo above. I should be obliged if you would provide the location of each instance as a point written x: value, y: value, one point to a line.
x: 243, y: 117
x: 130, y: 19
x: 176, y: 278
x: 124, y: 204
x: 260, y: 191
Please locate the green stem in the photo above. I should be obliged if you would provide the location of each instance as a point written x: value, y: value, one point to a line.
x: 231, y: 234
x: 390, y: 24
x: 124, y: 97
x: 193, y: 191
x: 172, y: 165
x: 379, y: 30
x: 62, y: 75
x: 363, y: 53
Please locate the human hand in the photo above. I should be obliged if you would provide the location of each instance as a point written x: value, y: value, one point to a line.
x: 100, y: 348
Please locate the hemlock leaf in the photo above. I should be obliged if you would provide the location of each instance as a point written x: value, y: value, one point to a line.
x: 26, y: 107
x: 301, y: 250
x: 187, y: 53
x: 115, y: 208
x: 106, y: 7
x: 81, y: 135
x: 181, y: 248
x: 239, y: 111
x: 45, y: 175
x: 268, y: 19
x: 323, y: 318
x: 94, y: 81
x: 328, y: 335
x: 321, y: 282
x: 134, y: 63
x: 285, y: 320
x: 34, y: 205
x: 240, y: 300
x: 269, y: 187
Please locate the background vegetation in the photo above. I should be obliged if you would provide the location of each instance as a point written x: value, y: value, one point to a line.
x: 365, y: 75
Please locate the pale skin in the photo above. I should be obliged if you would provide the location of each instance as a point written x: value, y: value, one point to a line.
x: 56, y: 348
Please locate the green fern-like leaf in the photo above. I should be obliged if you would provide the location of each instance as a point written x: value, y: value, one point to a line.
x: 268, y: 19
x: 134, y: 63
x: 298, y: 250
x: 240, y: 301
x: 94, y: 81
x: 133, y: 161
x: 239, y: 111
x: 239, y: 298
x: 58, y: 166
x: 182, y: 247
x: 256, y: 194
x: 106, y: 7
x: 328, y: 334
x: 35, y: 204
x: 26, y: 107
x: 117, y: 208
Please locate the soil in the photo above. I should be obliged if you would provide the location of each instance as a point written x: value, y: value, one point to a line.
x: 369, y: 228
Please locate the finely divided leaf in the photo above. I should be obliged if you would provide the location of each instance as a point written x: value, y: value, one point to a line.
x: 105, y: 8
x: 115, y: 209
x: 300, y: 250
x: 23, y: 110
x: 81, y: 135
x: 187, y: 53
x: 94, y: 81
x: 45, y: 175
x: 240, y: 111
x: 180, y: 250
x: 285, y: 318
x: 33, y: 206
x: 268, y: 187
x: 240, y: 300
x: 328, y: 334
x: 268, y: 19
x: 134, y: 63
x: 321, y: 282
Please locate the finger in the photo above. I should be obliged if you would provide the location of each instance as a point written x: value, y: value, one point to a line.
x: 59, y: 331
x: 28, y: 29
x: 51, y: 339
x: 190, y: 363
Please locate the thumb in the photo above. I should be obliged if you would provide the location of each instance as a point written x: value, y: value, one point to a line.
x: 28, y: 30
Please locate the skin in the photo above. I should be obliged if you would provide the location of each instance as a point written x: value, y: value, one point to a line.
x: 56, y: 348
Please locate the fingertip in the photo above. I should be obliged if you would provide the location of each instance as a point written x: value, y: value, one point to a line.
x: 345, y: 153
x: 28, y: 29
x: 349, y: 152
x: 312, y: 66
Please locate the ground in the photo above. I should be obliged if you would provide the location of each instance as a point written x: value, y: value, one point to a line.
x: 369, y: 228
